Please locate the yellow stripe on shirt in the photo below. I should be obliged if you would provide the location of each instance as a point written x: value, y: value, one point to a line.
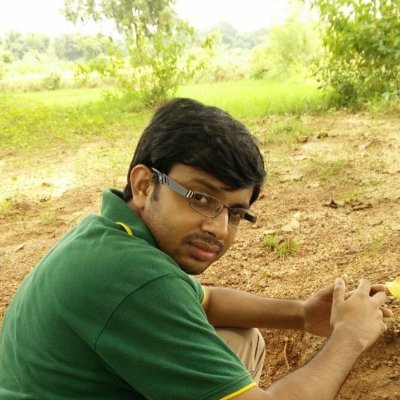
x: 126, y: 227
x: 204, y: 296
x: 234, y: 394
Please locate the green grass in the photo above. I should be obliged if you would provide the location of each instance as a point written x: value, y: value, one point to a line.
x: 286, y: 132
x: 282, y: 247
x: 47, y: 119
x: 257, y: 98
x: 64, y: 97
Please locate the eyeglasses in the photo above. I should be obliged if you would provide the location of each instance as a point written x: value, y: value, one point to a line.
x: 205, y: 204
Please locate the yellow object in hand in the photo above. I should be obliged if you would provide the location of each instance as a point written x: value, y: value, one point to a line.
x: 394, y: 287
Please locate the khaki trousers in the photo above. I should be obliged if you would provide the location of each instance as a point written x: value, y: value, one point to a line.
x: 249, y: 345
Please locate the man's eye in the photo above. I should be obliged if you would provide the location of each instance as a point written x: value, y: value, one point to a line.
x: 201, y: 198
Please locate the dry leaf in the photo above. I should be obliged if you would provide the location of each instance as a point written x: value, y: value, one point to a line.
x: 394, y: 287
x: 332, y: 204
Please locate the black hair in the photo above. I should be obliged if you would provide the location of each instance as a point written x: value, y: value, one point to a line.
x: 188, y: 132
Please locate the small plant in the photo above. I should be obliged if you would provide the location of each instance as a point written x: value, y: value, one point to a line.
x: 352, y: 195
x: 52, y: 81
x: 283, y: 247
x: 7, y: 205
x: 329, y: 170
x: 286, y: 132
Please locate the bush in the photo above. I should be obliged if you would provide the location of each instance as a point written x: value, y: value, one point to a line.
x: 52, y: 81
x: 363, y: 50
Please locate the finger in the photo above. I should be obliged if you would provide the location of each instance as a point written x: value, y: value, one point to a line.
x: 348, y: 294
x: 377, y: 288
x: 345, y: 278
x: 364, y: 285
x: 374, y: 289
x: 338, y: 291
x: 387, y: 313
x: 380, y: 298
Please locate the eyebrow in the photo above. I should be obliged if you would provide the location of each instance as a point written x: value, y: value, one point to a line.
x: 217, y: 190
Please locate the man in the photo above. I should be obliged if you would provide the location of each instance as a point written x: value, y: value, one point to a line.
x: 113, y: 312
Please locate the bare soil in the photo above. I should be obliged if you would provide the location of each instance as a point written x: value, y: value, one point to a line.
x: 335, y: 193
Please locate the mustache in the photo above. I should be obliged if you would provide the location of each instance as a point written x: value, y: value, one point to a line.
x: 197, y: 237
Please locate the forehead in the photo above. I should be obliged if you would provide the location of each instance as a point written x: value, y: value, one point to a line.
x: 199, y: 180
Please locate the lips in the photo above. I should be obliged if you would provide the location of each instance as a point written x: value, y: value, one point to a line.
x: 203, y: 248
x: 203, y: 251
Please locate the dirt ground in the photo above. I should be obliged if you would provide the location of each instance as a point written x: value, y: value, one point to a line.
x: 333, y: 197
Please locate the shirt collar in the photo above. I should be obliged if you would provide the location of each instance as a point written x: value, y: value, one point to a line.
x: 114, y: 208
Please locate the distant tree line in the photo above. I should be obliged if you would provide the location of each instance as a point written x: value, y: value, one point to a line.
x: 69, y: 47
x: 75, y: 46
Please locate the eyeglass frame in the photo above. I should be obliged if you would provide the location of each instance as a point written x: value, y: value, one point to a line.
x: 164, y: 179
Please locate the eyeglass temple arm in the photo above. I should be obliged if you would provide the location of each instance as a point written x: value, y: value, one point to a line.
x: 175, y: 186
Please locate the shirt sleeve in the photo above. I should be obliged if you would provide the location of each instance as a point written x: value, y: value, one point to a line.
x: 159, y: 341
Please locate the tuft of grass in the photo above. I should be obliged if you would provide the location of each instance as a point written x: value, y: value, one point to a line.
x: 351, y: 195
x: 282, y: 247
x: 7, y: 205
x: 285, y: 132
x: 329, y: 170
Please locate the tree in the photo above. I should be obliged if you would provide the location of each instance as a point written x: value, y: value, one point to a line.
x: 15, y: 43
x: 362, y: 39
x: 288, y: 50
x: 155, y: 41
x: 76, y: 46
x: 67, y: 47
x: 37, y: 42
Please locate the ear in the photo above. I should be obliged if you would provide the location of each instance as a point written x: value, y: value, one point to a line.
x: 141, y: 185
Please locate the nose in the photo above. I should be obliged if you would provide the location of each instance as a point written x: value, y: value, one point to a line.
x: 218, y: 226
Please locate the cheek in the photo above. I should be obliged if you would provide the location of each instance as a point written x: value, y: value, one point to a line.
x: 229, y: 240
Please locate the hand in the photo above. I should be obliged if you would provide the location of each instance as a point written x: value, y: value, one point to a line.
x: 317, y: 309
x: 317, y: 312
x: 359, y: 314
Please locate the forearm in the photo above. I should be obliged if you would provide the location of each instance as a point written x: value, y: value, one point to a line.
x: 234, y: 308
x: 323, y: 376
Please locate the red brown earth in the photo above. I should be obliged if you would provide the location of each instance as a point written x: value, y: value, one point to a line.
x: 334, y: 192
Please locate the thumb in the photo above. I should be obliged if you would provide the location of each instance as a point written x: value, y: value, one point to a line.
x: 345, y: 278
x: 339, y: 291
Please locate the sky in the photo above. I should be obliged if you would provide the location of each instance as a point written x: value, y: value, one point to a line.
x: 43, y: 16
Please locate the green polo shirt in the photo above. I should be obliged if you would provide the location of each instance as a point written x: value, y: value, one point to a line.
x: 107, y: 315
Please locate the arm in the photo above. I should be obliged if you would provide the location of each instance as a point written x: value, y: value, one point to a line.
x: 356, y: 323
x: 235, y: 308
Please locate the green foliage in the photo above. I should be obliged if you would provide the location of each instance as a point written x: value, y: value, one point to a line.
x: 288, y: 50
x: 74, y: 46
x: 362, y: 39
x: 52, y: 81
x: 222, y: 65
x: 230, y: 38
x: 152, y: 63
x: 18, y: 45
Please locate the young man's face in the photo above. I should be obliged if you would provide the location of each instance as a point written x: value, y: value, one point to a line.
x: 193, y: 240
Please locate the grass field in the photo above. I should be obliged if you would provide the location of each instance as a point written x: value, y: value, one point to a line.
x: 70, y: 116
x: 257, y: 98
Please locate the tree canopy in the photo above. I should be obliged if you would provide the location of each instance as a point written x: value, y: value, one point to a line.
x: 155, y: 41
x: 362, y: 39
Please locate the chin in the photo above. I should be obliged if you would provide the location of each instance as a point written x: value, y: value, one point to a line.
x: 193, y: 268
